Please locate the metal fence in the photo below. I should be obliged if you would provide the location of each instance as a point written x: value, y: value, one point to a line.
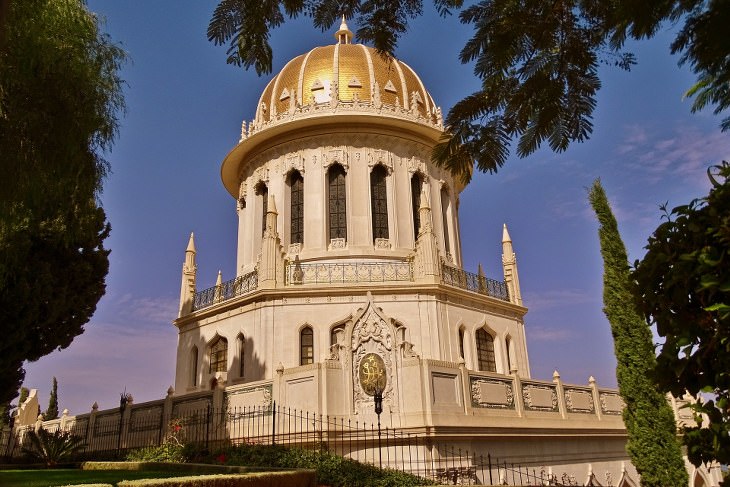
x: 474, y: 282
x: 113, y: 435
x: 352, y: 272
x: 227, y: 290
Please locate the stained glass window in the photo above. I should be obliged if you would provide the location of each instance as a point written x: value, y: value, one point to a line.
x: 379, y: 201
x: 337, y: 202
x: 241, y: 356
x: 445, y: 203
x: 306, y: 343
x: 263, y: 193
x: 194, y: 366
x: 219, y: 355
x: 296, y: 194
x: 416, y: 186
x: 485, y: 351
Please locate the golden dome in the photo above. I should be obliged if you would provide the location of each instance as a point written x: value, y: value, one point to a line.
x: 352, y: 75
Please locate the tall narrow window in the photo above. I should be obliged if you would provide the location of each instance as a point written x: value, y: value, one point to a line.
x: 194, y: 366
x: 445, y: 205
x: 508, y: 344
x: 263, y: 193
x: 337, y: 202
x: 241, y: 342
x: 461, y: 342
x: 379, y: 202
x: 485, y: 351
x: 296, y: 195
x: 219, y: 355
x: 306, y: 345
x: 416, y: 187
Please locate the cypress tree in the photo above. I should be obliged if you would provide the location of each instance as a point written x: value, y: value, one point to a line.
x: 23, y: 395
x: 52, y: 411
x: 652, y: 433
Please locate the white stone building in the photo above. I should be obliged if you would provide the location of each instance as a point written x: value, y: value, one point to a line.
x: 350, y: 279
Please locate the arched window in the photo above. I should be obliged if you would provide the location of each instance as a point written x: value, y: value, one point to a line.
x: 416, y: 188
x: 445, y: 205
x: 263, y: 193
x: 508, y: 346
x: 194, y: 366
x: 306, y: 346
x: 379, y: 202
x: 485, y: 351
x: 461, y: 343
x: 296, y: 207
x: 219, y: 355
x: 241, y: 346
x: 337, y: 204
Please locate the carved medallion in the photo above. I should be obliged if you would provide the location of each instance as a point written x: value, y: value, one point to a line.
x: 372, y: 374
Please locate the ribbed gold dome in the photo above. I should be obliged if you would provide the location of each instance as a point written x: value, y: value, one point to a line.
x: 354, y: 73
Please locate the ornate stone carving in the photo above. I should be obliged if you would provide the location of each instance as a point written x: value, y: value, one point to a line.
x: 293, y: 161
x: 408, y: 351
x: 579, y: 401
x: 382, y: 243
x: 337, y: 243
x: 492, y: 393
x: 540, y: 398
x: 377, y: 156
x: 372, y: 333
x: 295, y: 248
x: 611, y: 403
x: 331, y: 155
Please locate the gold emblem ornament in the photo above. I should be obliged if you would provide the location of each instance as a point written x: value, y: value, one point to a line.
x: 372, y: 373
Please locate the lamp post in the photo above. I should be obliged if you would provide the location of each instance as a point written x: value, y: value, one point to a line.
x: 378, y: 399
x: 123, y: 400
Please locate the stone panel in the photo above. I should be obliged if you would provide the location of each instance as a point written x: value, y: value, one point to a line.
x: 611, y: 403
x: 579, y: 401
x: 539, y: 397
x: 445, y: 389
x: 492, y: 393
x: 303, y: 392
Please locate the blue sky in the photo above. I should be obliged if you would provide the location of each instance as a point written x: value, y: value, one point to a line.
x: 185, y: 108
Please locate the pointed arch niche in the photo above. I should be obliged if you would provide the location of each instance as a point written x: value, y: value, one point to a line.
x: 371, y: 333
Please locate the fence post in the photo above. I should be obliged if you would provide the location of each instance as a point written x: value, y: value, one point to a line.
x: 489, y: 461
x: 273, y: 424
x: 207, y: 424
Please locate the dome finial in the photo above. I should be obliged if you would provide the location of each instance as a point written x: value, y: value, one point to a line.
x: 344, y: 35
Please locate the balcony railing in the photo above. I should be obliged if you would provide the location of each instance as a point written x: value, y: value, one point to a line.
x: 227, y: 290
x: 474, y: 282
x: 354, y: 272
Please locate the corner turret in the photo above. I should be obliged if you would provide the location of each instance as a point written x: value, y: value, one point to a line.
x: 187, y: 287
x: 509, y: 265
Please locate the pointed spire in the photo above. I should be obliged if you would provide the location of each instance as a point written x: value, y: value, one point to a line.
x: 509, y: 266
x: 344, y: 35
x: 271, y: 205
x: 480, y: 271
x: 191, y: 243
x: 505, y: 234
x: 219, y: 280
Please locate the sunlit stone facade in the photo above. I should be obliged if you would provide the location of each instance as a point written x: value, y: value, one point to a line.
x: 349, y: 278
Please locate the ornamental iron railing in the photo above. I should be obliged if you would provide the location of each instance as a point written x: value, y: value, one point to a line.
x: 227, y: 290
x: 114, y: 435
x: 474, y: 282
x: 351, y: 272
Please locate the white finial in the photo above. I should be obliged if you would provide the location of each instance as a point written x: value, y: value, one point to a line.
x: 505, y: 234
x: 219, y: 280
x: 344, y: 35
x: 191, y: 243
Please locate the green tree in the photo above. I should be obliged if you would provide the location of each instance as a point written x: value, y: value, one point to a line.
x: 59, y: 98
x: 683, y: 288
x: 652, y: 442
x: 52, y: 411
x: 538, y: 61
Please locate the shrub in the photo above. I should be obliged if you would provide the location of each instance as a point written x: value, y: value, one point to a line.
x: 332, y: 470
x: 51, y: 448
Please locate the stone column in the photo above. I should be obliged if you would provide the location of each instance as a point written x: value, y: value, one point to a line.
x: 596, y: 396
x: 560, y: 392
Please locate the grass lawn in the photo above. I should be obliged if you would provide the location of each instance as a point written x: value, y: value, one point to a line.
x: 63, y: 476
